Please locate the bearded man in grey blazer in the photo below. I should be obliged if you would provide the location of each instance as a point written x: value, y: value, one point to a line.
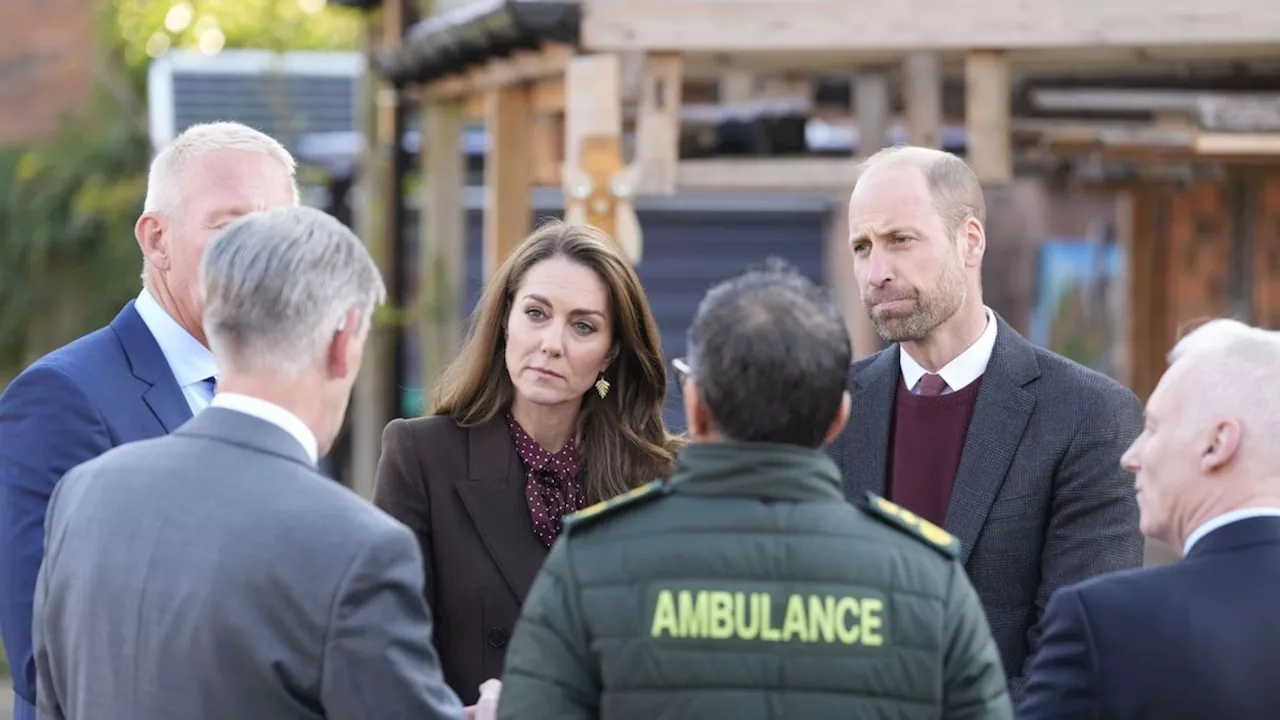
x: 1011, y: 448
x: 215, y: 573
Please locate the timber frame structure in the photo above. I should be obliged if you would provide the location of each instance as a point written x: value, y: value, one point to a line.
x: 599, y: 85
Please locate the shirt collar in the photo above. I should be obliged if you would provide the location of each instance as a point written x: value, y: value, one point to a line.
x: 272, y: 413
x: 1224, y: 520
x: 190, y: 361
x: 564, y: 463
x: 965, y: 368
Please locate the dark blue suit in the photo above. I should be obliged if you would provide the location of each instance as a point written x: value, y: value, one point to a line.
x: 1197, y: 639
x: 107, y: 388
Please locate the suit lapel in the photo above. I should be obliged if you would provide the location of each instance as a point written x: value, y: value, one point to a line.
x: 494, y: 499
x: 999, y: 419
x: 865, y: 464
x: 147, y: 363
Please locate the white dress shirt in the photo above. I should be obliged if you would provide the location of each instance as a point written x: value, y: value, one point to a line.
x: 191, y: 362
x: 964, y: 369
x: 272, y: 413
x: 1224, y: 520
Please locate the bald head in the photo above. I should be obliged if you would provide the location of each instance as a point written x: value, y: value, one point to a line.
x: 955, y: 190
x: 1209, y: 445
x: 1225, y: 367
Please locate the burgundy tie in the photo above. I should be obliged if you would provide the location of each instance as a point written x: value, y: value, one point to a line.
x: 931, y: 385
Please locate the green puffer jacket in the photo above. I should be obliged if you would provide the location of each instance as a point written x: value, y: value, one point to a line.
x: 747, y: 587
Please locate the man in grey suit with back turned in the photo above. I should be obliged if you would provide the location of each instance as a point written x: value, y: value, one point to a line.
x: 1013, y: 449
x: 215, y: 573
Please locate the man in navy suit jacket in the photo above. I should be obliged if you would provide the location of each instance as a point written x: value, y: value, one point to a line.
x: 1198, y: 638
x: 141, y: 376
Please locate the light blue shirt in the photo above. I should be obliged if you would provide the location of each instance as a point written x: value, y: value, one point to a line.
x: 191, y: 362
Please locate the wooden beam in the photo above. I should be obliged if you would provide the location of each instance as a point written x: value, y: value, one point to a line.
x: 547, y: 147
x: 767, y: 174
x: 507, y: 174
x: 871, y: 101
x: 593, y: 102
x: 524, y: 66
x: 547, y: 97
x: 716, y: 26
x: 658, y: 124
x: 593, y: 148
x: 988, y: 116
x: 922, y: 95
x: 442, y: 240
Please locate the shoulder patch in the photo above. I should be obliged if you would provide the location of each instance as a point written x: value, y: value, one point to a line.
x: 632, y: 498
x: 903, y: 519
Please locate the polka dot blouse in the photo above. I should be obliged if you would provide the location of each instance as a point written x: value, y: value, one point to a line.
x: 551, y: 482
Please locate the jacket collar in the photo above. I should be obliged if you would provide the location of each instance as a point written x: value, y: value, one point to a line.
x: 1000, y: 417
x: 247, y: 431
x: 1240, y: 534
x: 767, y: 471
x: 148, y: 364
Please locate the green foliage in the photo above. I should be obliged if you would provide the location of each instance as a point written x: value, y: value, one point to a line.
x: 68, y: 259
x: 67, y: 210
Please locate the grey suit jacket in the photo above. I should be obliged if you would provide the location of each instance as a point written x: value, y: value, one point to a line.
x: 1040, y: 500
x: 214, y: 573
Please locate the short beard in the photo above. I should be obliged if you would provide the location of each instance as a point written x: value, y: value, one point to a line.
x: 932, y: 309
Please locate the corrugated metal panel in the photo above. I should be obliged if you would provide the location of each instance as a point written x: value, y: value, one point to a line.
x: 279, y: 106
x: 691, y: 243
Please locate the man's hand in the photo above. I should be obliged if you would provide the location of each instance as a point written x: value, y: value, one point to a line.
x: 486, y: 708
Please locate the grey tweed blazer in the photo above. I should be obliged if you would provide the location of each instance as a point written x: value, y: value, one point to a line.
x: 1040, y: 500
x: 215, y: 574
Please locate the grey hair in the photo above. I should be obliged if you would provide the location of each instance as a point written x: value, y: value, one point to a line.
x: 1238, y: 369
x: 169, y: 163
x: 278, y: 284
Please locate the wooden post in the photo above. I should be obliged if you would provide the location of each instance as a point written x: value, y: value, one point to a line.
x: 658, y: 124
x: 593, y: 137
x: 988, y: 116
x: 375, y: 394
x: 547, y: 147
x: 508, y: 173
x: 441, y: 240
x: 871, y: 100
x: 922, y: 92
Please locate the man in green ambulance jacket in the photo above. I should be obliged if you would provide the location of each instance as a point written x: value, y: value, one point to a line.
x: 746, y: 586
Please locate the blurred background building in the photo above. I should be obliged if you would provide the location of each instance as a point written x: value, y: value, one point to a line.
x: 1130, y: 151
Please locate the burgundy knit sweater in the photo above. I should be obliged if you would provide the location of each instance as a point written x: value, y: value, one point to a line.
x: 928, y: 437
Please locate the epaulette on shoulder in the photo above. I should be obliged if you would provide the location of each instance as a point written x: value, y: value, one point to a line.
x: 633, y: 498
x: 912, y: 524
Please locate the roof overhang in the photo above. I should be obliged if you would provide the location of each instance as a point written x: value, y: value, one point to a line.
x: 453, y: 42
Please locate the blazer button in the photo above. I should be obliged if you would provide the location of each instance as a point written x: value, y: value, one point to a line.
x: 497, y: 637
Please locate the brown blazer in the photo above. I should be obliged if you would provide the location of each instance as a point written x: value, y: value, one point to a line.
x: 461, y: 491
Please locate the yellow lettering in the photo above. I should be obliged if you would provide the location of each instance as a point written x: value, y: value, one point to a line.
x: 721, y: 615
x: 822, y: 618
x: 693, y: 614
x: 745, y: 606
x: 768, y: 632
x: 794, y: 625
x: 725, y: 615
x: 848, y: 632
x: 871, y: 622
x: 664, y: 616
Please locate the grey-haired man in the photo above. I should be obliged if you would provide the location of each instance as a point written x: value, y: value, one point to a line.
x: 215, y: 573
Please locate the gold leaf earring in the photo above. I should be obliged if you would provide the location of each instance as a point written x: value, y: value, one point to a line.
x: 602, y: 386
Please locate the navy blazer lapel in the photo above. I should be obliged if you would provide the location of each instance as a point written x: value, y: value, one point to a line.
x: 999, y: 419
x: 866, y: 459
x: 148, y: 364
x: 494, y: 498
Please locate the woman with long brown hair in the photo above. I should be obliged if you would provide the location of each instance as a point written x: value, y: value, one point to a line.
x: 554, y: 403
